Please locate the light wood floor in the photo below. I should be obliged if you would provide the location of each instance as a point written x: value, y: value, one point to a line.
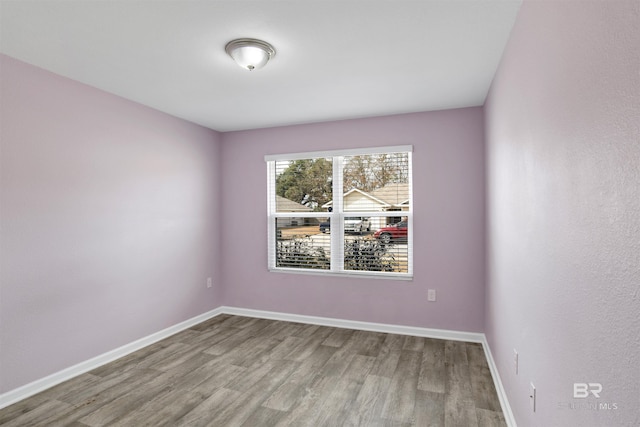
x: 239, y: 371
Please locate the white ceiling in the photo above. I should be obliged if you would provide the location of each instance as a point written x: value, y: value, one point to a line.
x: 335, y: 59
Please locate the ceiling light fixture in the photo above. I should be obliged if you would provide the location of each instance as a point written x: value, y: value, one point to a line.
x: 250, y: 54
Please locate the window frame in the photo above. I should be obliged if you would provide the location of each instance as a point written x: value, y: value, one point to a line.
x: 337, y: 215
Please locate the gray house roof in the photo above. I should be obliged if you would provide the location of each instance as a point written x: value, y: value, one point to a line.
x: 286, y: 205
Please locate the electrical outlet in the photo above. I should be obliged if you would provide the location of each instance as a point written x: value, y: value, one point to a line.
x: 431, y: 295
x: 515, y: 360
x: 209, y: 282
x: 532, y: 396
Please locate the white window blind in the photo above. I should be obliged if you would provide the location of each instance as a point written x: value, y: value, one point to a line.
x: 341, y: 212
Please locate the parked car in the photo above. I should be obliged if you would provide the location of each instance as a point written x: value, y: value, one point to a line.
x: 351, y: 225
x: 356, y: 225
x: 393, y: 232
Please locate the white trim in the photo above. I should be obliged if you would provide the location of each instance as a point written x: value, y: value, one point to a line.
x: 497, y: 382
x: 336, y: 153
x: 271, y: 222
x: 56, y: 378
x: 302, y: 214
x: 355, y: 324
x: 337, y: 214
x: 410, y: 215
x: 337, y: 231
x: 344, y: 273
x: 42, y: 384
x: 392, y: 329
x: 382, y: 214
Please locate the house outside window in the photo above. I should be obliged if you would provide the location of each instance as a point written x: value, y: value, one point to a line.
x: 365, y: 231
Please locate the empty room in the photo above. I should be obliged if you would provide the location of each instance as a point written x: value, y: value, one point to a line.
x: 320, y: 213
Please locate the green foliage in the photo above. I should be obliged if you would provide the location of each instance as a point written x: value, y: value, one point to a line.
x: 368, y: 255
x: 370, y: 172
x: 300, y: 253
x: 362, y: 254
x: 308, y: 182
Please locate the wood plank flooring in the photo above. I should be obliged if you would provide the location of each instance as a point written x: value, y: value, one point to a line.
x: 240, y: 371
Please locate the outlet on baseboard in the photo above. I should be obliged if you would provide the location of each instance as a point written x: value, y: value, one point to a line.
x: 209, y: 282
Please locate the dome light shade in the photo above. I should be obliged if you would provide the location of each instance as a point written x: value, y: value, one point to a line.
x: 250, y: 54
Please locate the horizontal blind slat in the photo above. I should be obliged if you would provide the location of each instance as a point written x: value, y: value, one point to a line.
x: 344, y: 211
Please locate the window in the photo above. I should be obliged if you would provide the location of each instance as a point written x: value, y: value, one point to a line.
x: 341, y: 212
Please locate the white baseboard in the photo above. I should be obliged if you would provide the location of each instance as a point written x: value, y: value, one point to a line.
x: 502, y: 395
x: 393, y: 329
x: 362, y: 326
x: 42, y: 384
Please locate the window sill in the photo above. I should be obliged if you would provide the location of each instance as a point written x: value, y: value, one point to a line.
x: 349, y: 274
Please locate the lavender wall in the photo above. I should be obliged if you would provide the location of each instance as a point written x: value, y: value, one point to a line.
x: 448, y: 232
x: 563, y: 151
x: 109, y: 214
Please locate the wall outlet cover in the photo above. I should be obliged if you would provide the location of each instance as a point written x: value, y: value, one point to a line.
x: 532, y: 396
